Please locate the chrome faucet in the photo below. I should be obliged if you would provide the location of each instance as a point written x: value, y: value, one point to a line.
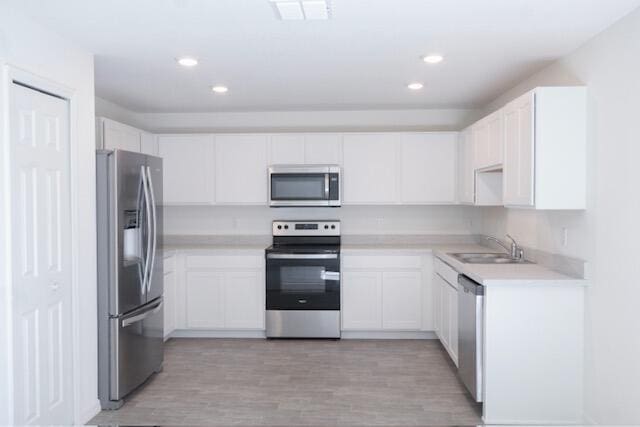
x: 515, y: 251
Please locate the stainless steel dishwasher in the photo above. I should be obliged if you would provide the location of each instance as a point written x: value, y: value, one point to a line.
x: 470, y: 337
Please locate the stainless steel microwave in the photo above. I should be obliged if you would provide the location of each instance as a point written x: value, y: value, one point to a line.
x: 304, y: 185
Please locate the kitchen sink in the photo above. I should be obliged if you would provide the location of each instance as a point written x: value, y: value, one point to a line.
x: 487, y: 258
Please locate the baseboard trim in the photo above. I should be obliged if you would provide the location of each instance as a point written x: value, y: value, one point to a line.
x: 389, y: 335
x: 212, y: 333
x: 87, y: 414
x: 349, y: 335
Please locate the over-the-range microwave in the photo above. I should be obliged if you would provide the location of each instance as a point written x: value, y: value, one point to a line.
x: 304, y: 185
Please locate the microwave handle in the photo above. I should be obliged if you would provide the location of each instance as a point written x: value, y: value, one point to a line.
x: 326, y: 186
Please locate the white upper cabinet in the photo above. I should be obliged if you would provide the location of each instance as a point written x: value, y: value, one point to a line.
x: 117, y: 135
x: 370, y: 168
x: 187, y: 161
x: 488, y: 141
x: 545, y: 149
x: 310, y: 149
x: 466, y: 171
x: 241, y: 169
x: 519, y: 154
x: 323, y: 149
x: 148, y: 144
x: 428, y: 168
x: 287, y: 149
x: 495, y: 146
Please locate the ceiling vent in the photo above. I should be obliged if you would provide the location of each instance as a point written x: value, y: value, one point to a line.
x: 300, y: 10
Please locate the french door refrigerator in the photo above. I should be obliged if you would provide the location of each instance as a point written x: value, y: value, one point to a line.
x: 130, y: 273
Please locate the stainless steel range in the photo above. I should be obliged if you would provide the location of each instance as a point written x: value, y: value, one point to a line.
x: 303, y: 280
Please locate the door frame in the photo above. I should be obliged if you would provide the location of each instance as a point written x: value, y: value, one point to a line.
x: 12, y: 74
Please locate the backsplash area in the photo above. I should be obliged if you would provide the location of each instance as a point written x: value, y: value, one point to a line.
x: 356, y: 220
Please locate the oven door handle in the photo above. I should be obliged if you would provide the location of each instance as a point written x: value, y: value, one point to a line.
x: 333, y: 276
x: 302, y: 256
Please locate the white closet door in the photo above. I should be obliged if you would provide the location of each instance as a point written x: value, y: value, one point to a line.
x: 41, y: 250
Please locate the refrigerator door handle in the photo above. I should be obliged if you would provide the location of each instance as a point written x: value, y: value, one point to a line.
x: 149, y: 229
x: 138, y: 317
x: 155, y: 228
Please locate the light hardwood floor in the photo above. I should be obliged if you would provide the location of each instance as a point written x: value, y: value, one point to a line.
x: 300, y: 382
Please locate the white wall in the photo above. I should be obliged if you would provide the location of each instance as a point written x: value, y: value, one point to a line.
x: 358, y: 220
x: 39, y: 51
x: 608, y: 233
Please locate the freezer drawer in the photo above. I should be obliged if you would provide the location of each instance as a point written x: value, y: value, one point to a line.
x: 137, y: 348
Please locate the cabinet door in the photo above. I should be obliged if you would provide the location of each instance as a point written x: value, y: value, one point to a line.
x: 244, y: 305
x: 241, y: 169
x: 361, y: 300
x: 120, y: 136
x: 453, y: 322
x: 466, y: 170
x: 287, y: 149
x: 205, y: 300
x: 323, y: 148
x: 496, y: 139
x: 401, y: 300
x: 370, y: 168
x: 481, y: 144
x: 437, y: 304
x: 149, y: 144
x: 169, y: 303
x: 445, y: 314
x: 428, y: 168
x: 187, y: 163
x: 519, y: 152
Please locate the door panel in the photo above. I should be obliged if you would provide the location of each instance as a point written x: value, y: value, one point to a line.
x: 205, y: 296
x: 401, y: 302
x: 156, y: 285
x: 139, y: 340
x: 244, y: 300
x: 41, y: 248
x: 132, y: 227
x: 362, y: 301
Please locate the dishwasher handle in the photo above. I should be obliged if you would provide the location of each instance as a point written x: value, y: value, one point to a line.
x: 470, y: 286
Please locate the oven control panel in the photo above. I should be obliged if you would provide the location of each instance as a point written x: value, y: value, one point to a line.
x: 306, y: 228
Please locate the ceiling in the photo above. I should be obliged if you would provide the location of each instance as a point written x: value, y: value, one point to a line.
x: 362, y: 58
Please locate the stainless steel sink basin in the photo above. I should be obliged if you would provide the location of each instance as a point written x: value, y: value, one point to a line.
x: 487, y: 258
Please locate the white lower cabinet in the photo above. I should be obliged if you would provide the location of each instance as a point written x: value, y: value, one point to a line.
x: 361, y: 300
x: 208, y: 293
x: 205, y: 304
x: 243, y: 300
x: 445, y: 312
x: 401, y: 302
x: 384, y: 293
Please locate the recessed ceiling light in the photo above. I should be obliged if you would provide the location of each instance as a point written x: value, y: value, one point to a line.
x: 219, y: 89
x: 415, y: 86
x: 187, y: 61
x: 433, y: 58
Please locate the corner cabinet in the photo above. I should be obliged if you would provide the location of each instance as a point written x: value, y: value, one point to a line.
x: 545, y: 149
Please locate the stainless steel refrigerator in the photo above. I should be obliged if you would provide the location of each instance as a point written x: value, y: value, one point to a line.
x: 130, y: 288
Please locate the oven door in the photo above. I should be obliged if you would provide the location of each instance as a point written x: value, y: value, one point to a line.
x: 303, y: 281
x: 299, y: 189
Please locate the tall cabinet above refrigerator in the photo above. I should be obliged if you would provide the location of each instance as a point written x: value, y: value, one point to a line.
x: 130, y: 287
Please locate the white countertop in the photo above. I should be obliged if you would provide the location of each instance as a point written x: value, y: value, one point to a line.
x: 486, y: 274
x: 505, y: 274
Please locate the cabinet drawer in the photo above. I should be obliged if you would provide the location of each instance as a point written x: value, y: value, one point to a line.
x: 367, y: 262
x: 226, y: 262
x: 446, y: 272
